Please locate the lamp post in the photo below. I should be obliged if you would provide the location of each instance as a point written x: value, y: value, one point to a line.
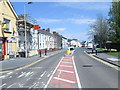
x: 25, y: 28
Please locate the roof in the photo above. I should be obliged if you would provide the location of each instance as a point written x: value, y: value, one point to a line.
x: 27, y: 22
x: 11, y: 7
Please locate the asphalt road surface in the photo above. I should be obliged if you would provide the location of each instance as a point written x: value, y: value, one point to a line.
x: 59, y: 71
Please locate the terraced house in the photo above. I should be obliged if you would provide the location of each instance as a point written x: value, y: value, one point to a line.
x: 8, y: 31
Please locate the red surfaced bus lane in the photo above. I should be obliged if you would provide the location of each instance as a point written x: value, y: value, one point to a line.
x: 65, y: 75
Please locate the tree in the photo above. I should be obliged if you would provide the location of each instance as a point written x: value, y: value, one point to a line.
x: 114, y: 22
x: 28, y: 18
x: 100, y: 30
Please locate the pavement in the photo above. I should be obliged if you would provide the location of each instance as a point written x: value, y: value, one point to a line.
x: 15, y: 63
x: 105, y: 57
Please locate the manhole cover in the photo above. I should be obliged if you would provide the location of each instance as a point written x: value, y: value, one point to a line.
x: 87, y: 66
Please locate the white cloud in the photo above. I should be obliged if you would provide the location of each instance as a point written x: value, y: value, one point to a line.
x: 79, y: 36
x: 86, y: 6
x: 82, y: 21
x: 46, y: 20
x: 71, y: 20
x: 59, y: 29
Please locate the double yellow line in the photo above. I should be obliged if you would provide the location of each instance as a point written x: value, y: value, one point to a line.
x: 26, y: 66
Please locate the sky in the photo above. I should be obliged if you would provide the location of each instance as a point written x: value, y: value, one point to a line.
x: 69, y: 19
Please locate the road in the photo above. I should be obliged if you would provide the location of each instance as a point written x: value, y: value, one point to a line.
x: 59, y: 71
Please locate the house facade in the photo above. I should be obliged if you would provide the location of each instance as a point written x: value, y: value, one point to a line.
x: 64, y: 43
x: 8, y: 31
x: 31, y: 40
x: 57, y: 40
x: 46, y: 39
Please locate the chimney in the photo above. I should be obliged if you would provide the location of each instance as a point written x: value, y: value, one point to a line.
x: 48, y: 30
x: 54, y: 32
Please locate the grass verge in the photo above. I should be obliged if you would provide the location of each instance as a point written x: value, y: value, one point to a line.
x: 112, y: 52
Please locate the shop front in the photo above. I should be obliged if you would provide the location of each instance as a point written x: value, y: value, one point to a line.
x: 2, y: 48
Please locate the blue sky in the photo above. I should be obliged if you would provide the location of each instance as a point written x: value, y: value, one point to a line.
x: 70, y: 19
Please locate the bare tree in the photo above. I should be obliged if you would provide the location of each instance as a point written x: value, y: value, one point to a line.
x: 99, y: 31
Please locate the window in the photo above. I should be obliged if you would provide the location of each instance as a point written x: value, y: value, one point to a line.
x: 7, y: 22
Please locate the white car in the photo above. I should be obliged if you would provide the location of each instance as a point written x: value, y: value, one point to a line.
x: 90, y: 45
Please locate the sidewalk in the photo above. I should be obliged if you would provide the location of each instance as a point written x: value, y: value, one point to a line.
x: 105, y: 57
x: 18, y: 62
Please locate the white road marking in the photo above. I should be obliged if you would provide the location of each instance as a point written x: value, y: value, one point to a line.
x: 11, y: 85
x: 67, y: 62
x: 9, y: 73
x: 48, y: 75
x: 23, y: 73
x: 29, y: 73
x: 65, y: 66
x: 39, y: 78
x: 65, y: 71
x: 59, y: 74
x: 78, y: 80
x: 20, y: 85
x: 2, y: 77
x: 2, y: 85
x: 32, y: 85
x: 43, y: 74
x: 113, y: 59
x: 53, y: 73
x: 10, y: 76
x: 65, y: 80
x: 28, y: 79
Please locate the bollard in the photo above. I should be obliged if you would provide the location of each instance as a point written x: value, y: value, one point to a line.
x: 45, y: 51
x: 67, y: 52
x: 40, y: 53
x: 92, y: 50
x: 96, y: 52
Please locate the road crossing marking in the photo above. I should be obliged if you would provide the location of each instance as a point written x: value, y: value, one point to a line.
x: 65, y: 66
x: 65, y: 71
x: 61, y: 77
x: 67, y: 62
x: 65, y: 80
x: 53, y: 73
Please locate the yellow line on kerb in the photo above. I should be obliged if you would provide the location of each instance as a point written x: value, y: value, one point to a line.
x: 26, y: 66
x: 106, y: 63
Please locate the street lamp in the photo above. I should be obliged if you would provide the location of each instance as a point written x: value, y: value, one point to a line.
x: 25, y: 28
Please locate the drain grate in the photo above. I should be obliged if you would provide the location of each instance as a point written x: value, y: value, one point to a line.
x: 87, y: 66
